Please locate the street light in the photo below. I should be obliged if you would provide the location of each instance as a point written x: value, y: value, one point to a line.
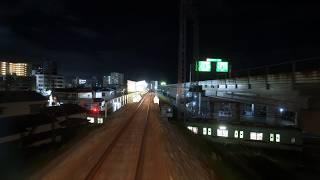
x: 163, y: 83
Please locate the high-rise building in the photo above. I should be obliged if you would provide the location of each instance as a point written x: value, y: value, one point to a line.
x: 47, y: 77
x: 48, y: 82
x: 95, y: 82
x: 18, y: 69
x: 116, y: 78
x: 106, y: 81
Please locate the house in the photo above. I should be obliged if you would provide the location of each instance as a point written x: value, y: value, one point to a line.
x: 19, y: 103
x: 85, y: 97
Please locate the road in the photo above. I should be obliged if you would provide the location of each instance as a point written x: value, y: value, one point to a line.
x: 134, y: 144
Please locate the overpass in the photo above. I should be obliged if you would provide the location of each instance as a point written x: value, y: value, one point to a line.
x: 284, y: 94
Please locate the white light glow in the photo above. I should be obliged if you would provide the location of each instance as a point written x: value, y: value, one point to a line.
x: 46, y: 92
x: 253, y: 136
x: 82, y: 81
x: 50, y: 100
x: 256, y: 136
x: 139, y: 86
x: 277, y: 137
x: 241, y: 134
x: 90, y: 119
x: 156, y: 100
x: 209, y: 131
x: 293, y: 140
x: 163, y: 83
x: 195, y: 130
x: 100, y: 120
x: 204, y: 131
x: 259, y: 136
x: 222, y: 127
x: 271, y: 137
x: 236, y: 134
x: 222, y: 132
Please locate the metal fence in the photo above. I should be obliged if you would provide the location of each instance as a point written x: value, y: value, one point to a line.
x: 304, y: 65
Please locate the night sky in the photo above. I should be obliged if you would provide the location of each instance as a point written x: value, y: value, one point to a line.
x: 140, y: 38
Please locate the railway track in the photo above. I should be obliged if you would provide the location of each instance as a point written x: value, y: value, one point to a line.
x: 130, y: 125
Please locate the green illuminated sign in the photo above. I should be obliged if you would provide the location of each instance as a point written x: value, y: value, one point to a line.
x: 222, y: 67
x: 214, y: 60
x: 203, y: 66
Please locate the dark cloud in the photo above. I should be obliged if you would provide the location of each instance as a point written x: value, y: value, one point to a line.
x: 91, y: 38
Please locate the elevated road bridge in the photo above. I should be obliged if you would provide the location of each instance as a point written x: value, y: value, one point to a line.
x: 285, y: 94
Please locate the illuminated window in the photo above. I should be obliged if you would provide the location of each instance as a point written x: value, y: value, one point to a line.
x: 222, y: 132
x: 253, y: 135
x: 190, y: 128
x: 271, y: 137
x: 236, y: 134
x: 195, y: 130
x: 293, y: 140
x: 204, y: 131
x: 241, y: 134
x: 209, y: 131
x: 259, y: 136
x: 277, y: 137
x: 256, y: 136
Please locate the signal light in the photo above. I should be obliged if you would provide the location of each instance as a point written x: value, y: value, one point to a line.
x: 95, y: 110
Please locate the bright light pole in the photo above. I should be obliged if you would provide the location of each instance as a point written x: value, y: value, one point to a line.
x: 163, y: 83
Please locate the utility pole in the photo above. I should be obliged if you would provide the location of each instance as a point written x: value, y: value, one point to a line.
x: 187, y: 14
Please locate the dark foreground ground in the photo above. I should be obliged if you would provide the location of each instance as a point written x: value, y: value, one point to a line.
x: 227, y: 161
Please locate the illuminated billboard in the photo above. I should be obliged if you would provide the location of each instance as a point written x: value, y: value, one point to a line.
x: 222, y: 67
x: 203, y: 66
x: 133, y: 86
x: 82, y: 81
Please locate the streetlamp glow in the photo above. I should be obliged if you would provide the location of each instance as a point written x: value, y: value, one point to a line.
x: 163, y: 83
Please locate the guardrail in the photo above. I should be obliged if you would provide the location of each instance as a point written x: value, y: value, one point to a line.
x: 306, y: 71
x: 304, y: 65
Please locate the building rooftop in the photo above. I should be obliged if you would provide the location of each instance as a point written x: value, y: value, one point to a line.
x: 82, y: 89
x: 72, y: 90
x: 20, y: 96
